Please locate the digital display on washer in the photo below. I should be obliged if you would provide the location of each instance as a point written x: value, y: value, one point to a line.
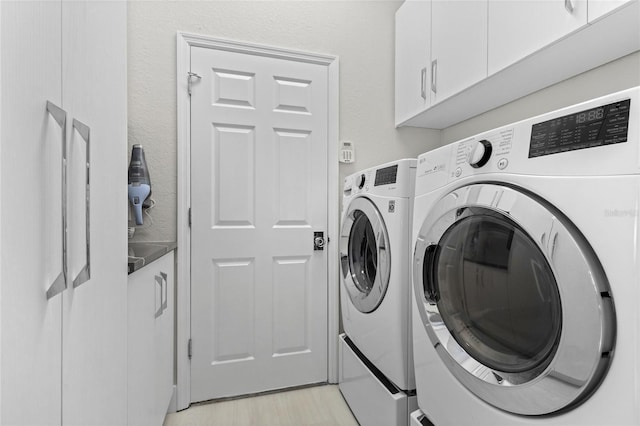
x: 604, y: 125
x: 386, y: 176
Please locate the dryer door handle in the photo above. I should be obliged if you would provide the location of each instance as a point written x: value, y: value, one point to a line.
x: 429, y: 284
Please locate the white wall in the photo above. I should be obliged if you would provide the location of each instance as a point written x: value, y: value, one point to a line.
x: 361, y: 33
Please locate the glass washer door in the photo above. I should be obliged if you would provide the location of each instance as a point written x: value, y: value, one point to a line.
x: 364, y: 254
x: 513, y: 299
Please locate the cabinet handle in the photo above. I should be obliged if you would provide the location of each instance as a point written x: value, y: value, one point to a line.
x: 159, y: 282
x: 165, y: 292
x: 423, y: 83
x: 60, y: 283
x: 434, y: 72
x: 85, y: 274
x: 568, y: 5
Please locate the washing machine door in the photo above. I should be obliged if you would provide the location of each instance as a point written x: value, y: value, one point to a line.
x: 364, y: 254
x: 513, y: 299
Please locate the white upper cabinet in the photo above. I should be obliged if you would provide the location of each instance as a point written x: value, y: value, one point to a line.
x: 599, y: 8
x: 413, y: 58
x: 487, y: 53
x: 458, y: 46
x: 519, y: 28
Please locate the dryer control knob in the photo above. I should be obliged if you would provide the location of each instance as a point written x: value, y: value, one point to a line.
x: 360, y: 181
x: 480, y: 153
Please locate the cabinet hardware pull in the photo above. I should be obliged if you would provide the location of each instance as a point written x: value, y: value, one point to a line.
x: 423, y: 83
x: 568, y: 5
x: 434, y: 72
x: 60, y: 283
x: 85, y: 274
x: 166, y: 285
x: 159, y: 282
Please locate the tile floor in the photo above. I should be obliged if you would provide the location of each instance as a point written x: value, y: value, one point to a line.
x: 312, y: 406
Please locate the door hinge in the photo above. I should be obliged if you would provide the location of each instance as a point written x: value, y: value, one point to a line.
x: 189, y: 349
x: 189, y: 217
x: 190, y: 77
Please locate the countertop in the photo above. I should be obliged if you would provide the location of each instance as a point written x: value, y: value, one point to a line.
x: 143, y: 253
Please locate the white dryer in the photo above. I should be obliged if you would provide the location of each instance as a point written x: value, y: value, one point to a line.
x: 526, y: 272
x: 376, y: 293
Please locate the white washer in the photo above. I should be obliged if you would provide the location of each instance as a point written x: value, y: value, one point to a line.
x: 526, y: 273
x: 376, y: 284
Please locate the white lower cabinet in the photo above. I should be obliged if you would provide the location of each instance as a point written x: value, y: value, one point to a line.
x: 150, y: 341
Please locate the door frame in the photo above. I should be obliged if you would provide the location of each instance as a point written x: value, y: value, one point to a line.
x: 183, y: 255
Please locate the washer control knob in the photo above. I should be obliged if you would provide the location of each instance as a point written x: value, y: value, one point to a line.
x: 480, y: 153
x: 360, y: 181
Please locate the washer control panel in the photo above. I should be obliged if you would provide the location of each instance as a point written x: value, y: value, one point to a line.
x: 386, y: 175
x: 394, y: 179
x: 479, y: 153
x: 600, y: 137
x: 602, y: 125
x: 483, y: 154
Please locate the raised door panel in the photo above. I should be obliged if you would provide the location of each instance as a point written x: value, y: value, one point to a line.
x: 291, y: 306
x: 233, y: 157
x: 95, y: 313
x: 31, y: 214
x: 519, y: 28
x: 294, y: 171
x: 412, y: 59
x: 459, y: 46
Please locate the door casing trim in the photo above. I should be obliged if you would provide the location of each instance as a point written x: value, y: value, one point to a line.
x: 185, y: 41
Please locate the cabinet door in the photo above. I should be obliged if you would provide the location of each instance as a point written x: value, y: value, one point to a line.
x: 519, y: 28
x: 599, y: 8
x: 31, y: 213
x: 412, y: 59
x: 164, y: 332
x: 459, y: 46
x: 150, y: 342
x: 141, y: 318
x: 94, y: 314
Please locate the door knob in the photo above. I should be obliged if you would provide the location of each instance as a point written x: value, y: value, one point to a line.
x: 318, y: 240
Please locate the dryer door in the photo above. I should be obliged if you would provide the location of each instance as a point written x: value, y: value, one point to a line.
x: 513, y: 299
x: 364, y: 254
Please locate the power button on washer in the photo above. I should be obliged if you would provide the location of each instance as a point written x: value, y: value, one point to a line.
x: 503, y: 163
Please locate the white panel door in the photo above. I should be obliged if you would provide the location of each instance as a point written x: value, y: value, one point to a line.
x: 458, y: 46
x: 31, y: 167
x: 95, y: 313
x: 258, y: 193
x: 600, y: 8
x: 519, y: 28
